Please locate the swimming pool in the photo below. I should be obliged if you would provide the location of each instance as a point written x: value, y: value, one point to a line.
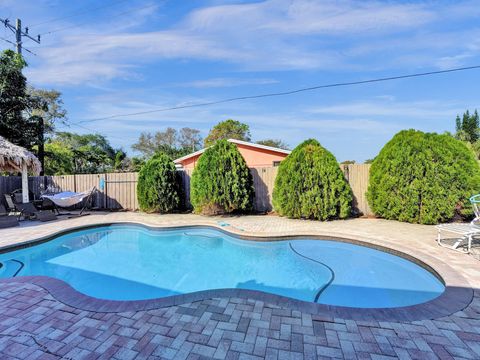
x: 130, y: 262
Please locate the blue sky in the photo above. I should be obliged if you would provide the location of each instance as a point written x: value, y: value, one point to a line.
x: 140, y: 55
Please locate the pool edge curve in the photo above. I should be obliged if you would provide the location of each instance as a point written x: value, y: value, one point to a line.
x: 453, y: 299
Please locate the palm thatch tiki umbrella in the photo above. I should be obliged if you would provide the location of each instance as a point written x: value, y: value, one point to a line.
x: 15, y: 159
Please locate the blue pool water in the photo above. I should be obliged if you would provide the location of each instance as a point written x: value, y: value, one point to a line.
x: 128, y: 262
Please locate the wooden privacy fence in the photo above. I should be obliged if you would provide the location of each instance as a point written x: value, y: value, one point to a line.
x: 357, y: 176
x: 119, y: 190
x: 114, y: 190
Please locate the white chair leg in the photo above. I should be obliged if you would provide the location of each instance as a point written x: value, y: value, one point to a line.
x: 458, y: 242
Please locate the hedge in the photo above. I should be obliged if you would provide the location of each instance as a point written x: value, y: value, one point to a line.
x: 221, y: 181
x: 423, y: 178
x: 310, y: 185
x: 158, y: 188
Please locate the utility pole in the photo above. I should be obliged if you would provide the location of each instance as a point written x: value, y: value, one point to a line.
x: 19, y: 34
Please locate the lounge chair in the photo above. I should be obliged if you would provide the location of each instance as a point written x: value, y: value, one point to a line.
x: 40, y: 204
x: 17, y: 197
x: 10, y: 204
x: 6, y: 220
x: 466, y: 231
x: 27, y: 210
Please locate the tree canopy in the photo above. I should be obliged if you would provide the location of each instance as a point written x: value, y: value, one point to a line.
x: 467, y: 127
x: 14, y: 100
x: 158, y: 187
x: 60, y: 158
x: 190, y: 139
x: 170, y: 141
x: 228, y: 129
x: 46, y: 109
x: 277, y: 143
x: 48, y: 104
x: 221, y: 182
x: 69, y: 153
x: 26, y: 114
x: 423, y: 178
x: 310, y: 185
x: 468, y: 130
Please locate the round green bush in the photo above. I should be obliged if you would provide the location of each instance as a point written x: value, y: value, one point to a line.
x: 158, y: 188
x: 221, y: 181
x: 310, y: 185
x: 423, y: 178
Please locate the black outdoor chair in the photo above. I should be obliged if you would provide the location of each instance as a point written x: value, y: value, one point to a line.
x: 6, y: 220
x: 28, y: 210
x: 17, y: 195
x: 45, y: 204
x: 10, y: 203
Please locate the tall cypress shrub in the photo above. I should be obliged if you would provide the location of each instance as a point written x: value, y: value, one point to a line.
x: 423, y: 178
x: 158, y: 188
x: 310, y: 185
x: 221, y: 181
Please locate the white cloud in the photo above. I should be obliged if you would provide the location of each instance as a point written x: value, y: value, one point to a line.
x: 351, y: 129
x: 89, y: 58
x: 226, y: 82
x: 388, y: 108
x: 325, y: 119
x: 310, y: 17
x: 261, y: 36
x: 447, y: 62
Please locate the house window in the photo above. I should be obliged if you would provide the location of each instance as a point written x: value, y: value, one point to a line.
x: 276, y: 163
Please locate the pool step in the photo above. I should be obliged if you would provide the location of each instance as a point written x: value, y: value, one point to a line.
x: 10, y: 268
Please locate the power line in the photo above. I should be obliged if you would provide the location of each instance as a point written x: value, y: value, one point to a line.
x: 69, y: 124
x: 14, y: 44
x: 284, y: 93
x: 8, y: 41
x: 29, y: 51
x: 84, y: 11
x: 88, y: 22
x: 80, y: 126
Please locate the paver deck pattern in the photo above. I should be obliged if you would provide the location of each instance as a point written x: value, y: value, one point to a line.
x: 35, y: 325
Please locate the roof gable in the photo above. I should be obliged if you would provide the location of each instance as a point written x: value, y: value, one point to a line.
x: 238, y: 142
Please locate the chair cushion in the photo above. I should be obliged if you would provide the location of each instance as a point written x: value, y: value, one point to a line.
x: 46, y: 216
x: 8, y: 221
x: 27, y: 208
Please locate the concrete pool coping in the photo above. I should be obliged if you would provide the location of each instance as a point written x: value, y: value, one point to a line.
x: 457, y: 295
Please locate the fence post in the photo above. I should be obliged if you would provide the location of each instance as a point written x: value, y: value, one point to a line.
x: 346, y: 172
x: 105, y: 192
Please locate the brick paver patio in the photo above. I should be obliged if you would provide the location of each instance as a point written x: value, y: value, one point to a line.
x: 34, y: 324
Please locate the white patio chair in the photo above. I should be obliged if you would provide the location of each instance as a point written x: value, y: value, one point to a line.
x: 466, y: 231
